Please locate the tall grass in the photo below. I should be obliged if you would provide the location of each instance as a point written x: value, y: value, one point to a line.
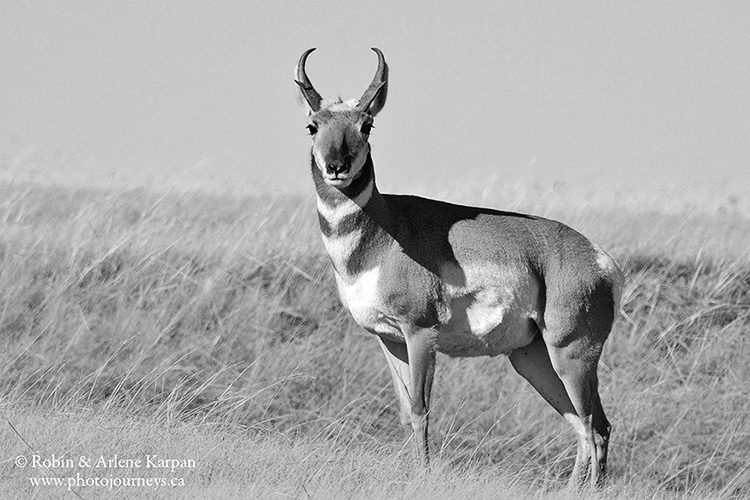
x: 220, y: 313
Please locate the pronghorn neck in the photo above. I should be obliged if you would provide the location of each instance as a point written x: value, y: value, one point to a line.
x: 355, y: 222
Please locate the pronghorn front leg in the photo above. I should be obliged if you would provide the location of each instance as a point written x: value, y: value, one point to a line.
x: 398, y: 365
x: 420, y: 345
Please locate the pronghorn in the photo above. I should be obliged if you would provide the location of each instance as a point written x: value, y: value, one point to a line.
x: 426, y: 276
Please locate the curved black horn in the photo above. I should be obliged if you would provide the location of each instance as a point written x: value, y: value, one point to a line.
x: 305, y: 86
x: 378, y: 82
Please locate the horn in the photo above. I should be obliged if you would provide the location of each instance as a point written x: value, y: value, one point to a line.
x: 379, y: 82
x: 305, y: 86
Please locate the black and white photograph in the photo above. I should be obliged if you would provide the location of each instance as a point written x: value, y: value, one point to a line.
x: 374, y: 250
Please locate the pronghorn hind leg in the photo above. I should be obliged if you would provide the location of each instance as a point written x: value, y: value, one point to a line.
x: 533, y: 363
x: 420, y: 345
x: 398, y: 364
x: 602, y: 429
x: 575, y: 364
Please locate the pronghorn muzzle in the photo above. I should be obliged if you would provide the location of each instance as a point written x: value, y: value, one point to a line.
x: 338, y: 167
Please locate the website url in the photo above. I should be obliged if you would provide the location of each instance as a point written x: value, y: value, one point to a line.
x: 109, y: 483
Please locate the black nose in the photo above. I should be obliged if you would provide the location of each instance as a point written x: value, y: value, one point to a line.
x: 337, y: 167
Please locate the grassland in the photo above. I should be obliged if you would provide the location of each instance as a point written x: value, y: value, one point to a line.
x: 207, y: 328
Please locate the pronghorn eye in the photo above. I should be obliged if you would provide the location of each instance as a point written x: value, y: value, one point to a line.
x: 312, y: 129
x: 366, y: 128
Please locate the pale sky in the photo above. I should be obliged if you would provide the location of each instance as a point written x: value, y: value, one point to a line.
x: 599, y: 92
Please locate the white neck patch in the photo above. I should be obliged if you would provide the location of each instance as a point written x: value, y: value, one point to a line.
x: 334, y: 214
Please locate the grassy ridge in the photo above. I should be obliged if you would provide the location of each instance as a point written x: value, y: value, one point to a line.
x: 220, y: 314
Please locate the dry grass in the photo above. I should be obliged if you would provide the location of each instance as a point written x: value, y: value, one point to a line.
x: 208, y: 327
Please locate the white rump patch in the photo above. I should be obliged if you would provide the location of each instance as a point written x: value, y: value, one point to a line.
x: 611, y: 271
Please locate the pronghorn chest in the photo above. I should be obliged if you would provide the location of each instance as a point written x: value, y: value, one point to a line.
x: 357, y: 246
x: 362, y: 296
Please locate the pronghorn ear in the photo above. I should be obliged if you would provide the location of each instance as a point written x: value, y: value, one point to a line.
x: 379, y: 101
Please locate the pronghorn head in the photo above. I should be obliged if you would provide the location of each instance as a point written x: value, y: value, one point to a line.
x: 340, y: 129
